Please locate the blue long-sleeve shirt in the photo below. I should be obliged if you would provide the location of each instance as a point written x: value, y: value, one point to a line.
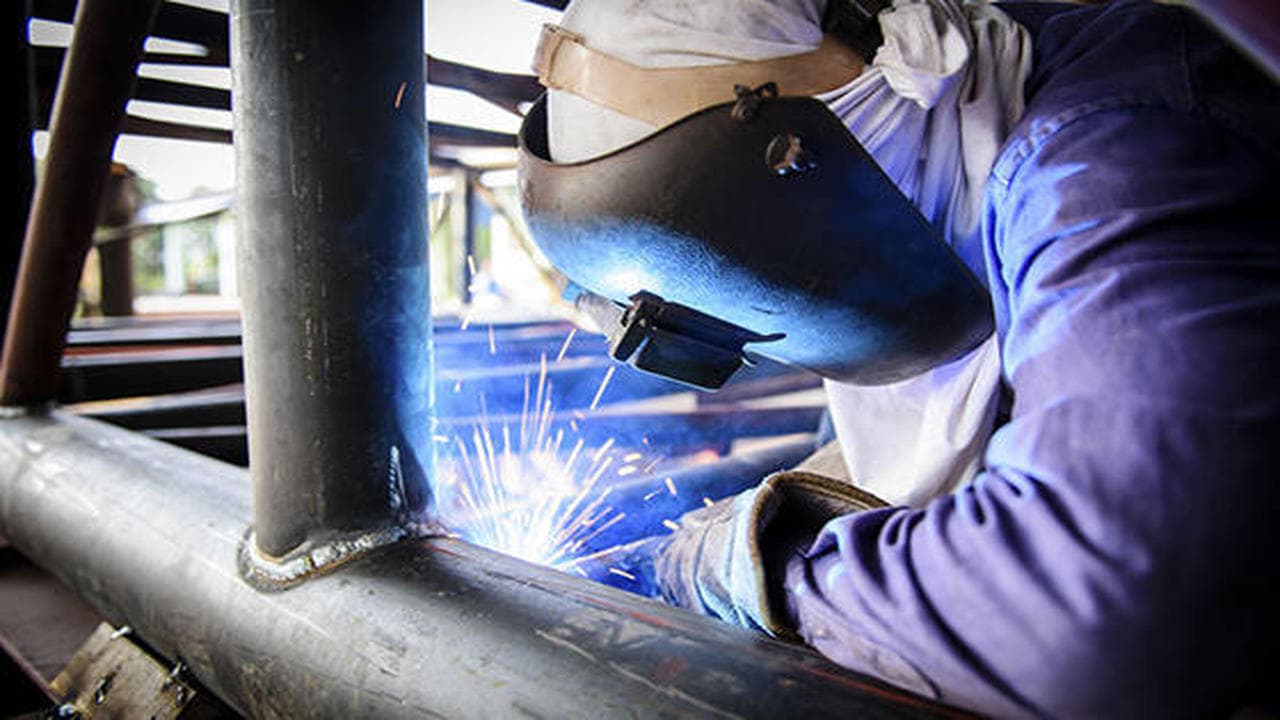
x: 1118, y: 556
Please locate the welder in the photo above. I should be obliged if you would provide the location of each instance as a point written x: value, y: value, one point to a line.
x: 1031, y: 248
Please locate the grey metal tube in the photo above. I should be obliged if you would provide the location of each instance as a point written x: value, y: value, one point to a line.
x: 331, y: 156
x: 425, y: 628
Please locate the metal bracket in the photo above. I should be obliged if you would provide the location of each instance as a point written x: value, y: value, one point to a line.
x: 112, y: 676
x: 680, y: 343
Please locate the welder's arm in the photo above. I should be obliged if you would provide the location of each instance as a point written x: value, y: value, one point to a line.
x: 1116, y: 558
x: 728, y: 560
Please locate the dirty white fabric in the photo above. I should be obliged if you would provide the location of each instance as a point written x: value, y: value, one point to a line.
x: 669, y: 33
x: 933, y: 109
x: 914, y: 440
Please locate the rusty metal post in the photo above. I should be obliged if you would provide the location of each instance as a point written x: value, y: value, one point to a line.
x: 120, y: 204
x: 97, y: 80
x: 332, y: 225
x: 115, y: 270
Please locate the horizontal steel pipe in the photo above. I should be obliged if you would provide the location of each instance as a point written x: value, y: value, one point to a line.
x: 438, y: 628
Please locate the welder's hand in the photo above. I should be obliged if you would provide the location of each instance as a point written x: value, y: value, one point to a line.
x: 727, y: 559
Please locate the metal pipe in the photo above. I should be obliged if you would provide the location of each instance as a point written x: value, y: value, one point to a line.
x: 97, y: 80
x: 332, y: 226
x: 470, y: 226
x: 151, y: 534
x: 120, y: 204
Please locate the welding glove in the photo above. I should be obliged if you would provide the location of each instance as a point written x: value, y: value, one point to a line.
x: 727, y: 560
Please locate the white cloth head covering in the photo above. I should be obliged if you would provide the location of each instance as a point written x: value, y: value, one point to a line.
x: 933, y: 109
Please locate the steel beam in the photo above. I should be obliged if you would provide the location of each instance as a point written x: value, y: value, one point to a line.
x: 174, y: 21
x: 505, y: 90
x: 332, y: 230
x: 152, y: 534
x: 97, y: 80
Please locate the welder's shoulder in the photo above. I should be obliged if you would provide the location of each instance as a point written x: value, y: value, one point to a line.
x: 1139, y: 55
x: 1145, y: 134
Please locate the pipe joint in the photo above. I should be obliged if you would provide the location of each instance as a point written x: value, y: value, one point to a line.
x: 310, y: 559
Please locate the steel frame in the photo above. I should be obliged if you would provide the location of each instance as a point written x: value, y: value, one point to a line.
x: 398, y: 624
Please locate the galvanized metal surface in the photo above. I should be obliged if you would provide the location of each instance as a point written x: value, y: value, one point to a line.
x: 97, y: 80
x: 332, y: 250
x: 424, y: 628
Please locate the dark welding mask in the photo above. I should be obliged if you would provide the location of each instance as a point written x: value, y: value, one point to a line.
x: 754, y: 225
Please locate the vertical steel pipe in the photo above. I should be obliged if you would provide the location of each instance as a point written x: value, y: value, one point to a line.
x: 471, y: 220
x: 97, y: 80
x: 331, y: 180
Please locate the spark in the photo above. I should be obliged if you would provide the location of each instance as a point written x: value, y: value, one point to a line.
x: 493, y: 347
x: 466, y: 320
x: 603, y: 449
x: 511, y: 488
x: 532, y: 488
x: 457, y: 385
x: 471, y: 264
x: 707, y: 501
x: 603, y: 384
x: 400, y: 93
x: 670, y: 524
x: 565, y: 347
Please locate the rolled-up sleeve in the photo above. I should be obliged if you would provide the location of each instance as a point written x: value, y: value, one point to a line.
x: 1117, y: 556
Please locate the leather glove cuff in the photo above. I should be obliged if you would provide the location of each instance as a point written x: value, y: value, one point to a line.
x: 788, y: 511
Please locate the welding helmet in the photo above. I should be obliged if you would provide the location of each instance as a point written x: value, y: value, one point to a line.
x: 756, y: 224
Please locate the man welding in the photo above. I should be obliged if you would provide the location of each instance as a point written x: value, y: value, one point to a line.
x: 1032, y: 250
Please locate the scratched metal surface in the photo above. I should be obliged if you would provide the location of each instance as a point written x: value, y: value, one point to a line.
x: 425, y: 628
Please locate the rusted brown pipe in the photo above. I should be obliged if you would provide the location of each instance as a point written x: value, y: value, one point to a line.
x: 96, y: 82
x: 120, y: 203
